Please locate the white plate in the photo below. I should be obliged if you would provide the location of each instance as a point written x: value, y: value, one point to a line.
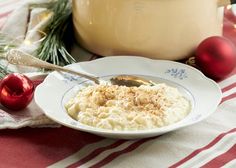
x: 203, y: 93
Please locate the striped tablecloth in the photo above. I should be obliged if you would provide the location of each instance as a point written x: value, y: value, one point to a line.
x: 210, y: 143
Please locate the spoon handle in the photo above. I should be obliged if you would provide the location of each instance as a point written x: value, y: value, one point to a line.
x: 18, y: 57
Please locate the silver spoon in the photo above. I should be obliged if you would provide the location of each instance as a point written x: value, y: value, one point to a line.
x: 18, y: 57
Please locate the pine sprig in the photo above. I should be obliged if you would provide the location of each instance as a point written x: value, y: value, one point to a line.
x: 4, y: 71
x: 6, y: 43
x: 53, y: 48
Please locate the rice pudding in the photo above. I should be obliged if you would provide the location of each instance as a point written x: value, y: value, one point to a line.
x: 128, y: 108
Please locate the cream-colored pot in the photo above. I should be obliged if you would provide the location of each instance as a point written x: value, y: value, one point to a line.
x: 161, y: 29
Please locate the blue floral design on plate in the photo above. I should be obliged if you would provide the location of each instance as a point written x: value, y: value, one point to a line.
x: 177, y: 73
x: 70, y: 78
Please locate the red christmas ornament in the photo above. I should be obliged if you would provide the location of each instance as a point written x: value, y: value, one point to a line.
x: 216, y: 57
x: 16, y: 91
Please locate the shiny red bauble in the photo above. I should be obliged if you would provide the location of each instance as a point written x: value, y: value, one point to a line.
x: 16, y: 91
x: 216, y: 57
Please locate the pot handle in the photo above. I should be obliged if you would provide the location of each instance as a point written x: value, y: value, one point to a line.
x: 226, y: 2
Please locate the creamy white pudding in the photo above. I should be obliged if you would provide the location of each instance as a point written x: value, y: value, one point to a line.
x: 128, y: 108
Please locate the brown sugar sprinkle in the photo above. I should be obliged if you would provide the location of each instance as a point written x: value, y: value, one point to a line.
x: 128, y: 108
x: 146, y: 99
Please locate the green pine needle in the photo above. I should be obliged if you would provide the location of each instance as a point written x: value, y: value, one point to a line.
x: 53, y: 47
x: 6, y: 43
x: 4, y: 71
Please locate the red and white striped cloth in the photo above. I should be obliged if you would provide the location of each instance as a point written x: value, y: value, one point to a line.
x: 210, y: 143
